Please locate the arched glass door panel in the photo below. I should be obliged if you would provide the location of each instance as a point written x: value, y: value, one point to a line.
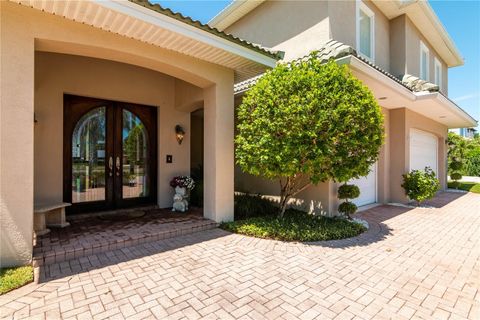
x: 88, y: 157
x: 135, y: 157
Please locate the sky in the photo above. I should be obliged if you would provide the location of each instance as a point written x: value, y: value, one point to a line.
x: 460, y: 18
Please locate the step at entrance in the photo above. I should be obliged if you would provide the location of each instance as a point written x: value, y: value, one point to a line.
x: 99, y: 233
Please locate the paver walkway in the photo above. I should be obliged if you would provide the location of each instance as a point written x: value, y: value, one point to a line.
x: 412, y: 263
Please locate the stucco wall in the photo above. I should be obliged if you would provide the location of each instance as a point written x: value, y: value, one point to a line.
x: 398, y: 46
x: 56, y: 74
x: 296, y: 27
x: 343, y: 23
x: 24, y: 30
x: 313, y: 199
x: 16, y: 143
x: 413, y: 38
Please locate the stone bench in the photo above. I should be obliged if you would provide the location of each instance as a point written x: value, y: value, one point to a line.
x: 49, y: 215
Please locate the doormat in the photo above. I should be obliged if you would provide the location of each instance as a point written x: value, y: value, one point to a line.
x: 122, y: 216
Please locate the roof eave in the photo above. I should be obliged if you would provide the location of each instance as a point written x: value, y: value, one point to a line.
x: 226, y: 17
x: 138, y: 10
x: 432, y: 16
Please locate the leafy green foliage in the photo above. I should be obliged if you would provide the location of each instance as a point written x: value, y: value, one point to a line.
x: 347, y: 208
x: 308, y: 122
x: 456, y: 176
x: 248, y: 206
x: 295, y: 226
x: 466, y: 151
x: 472, y: 165
x: 420, y: 185
x: 348, y: 191
x: 467, y: 186
x: 12, y: 278
x: 456, y: 165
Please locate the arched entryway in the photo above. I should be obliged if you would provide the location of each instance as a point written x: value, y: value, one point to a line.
x: 109, y: 154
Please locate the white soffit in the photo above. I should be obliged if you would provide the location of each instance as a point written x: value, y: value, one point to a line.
x: 135, y: 21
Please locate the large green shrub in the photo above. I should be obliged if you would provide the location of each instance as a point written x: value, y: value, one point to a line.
x: 472, y: 159
x: 420, y: 185
x: 466, y: 151
x: 307, y: 122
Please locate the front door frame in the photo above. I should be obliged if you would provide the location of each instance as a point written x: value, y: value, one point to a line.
x: 113, y: 199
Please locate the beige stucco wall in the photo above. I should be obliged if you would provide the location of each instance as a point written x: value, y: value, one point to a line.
x: 401, y: 121
x: 298, y: 27
x: 24, y: 30
x: 16, y: 139
x: 56, y: 74
x: 313, y: 199
x: 295, y: 27
x: 412, y: 40
x: 398, y: 46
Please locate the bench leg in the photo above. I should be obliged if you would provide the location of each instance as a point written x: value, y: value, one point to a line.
x: 56, y: 218
x: 39, y: 225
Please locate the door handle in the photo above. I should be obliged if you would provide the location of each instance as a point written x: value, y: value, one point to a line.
x: 117, y: 163
x: 110, y: 165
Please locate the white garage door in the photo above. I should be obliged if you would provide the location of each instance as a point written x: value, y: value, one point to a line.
x: 368, y: 188
x: 423, y: 150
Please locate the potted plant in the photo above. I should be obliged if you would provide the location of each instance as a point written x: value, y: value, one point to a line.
x: 182, y: 185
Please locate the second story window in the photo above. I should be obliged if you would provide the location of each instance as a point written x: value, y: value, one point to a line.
x: 438, y: 73
x: 424, y: 62
x: 365, y: 31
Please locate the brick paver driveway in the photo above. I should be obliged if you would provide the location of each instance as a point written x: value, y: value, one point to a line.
x: 420, y: 263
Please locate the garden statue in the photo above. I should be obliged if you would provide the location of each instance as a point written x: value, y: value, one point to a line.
x: 182, y: 185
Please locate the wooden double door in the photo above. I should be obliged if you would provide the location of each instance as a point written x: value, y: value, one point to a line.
x: 110, y: 154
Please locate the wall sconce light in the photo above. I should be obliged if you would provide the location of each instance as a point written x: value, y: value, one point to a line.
x: 179, y: 133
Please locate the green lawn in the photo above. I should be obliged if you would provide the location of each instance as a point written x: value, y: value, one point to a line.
x: 12, y: 278
x: 467, y: 186
x: 295, y: 226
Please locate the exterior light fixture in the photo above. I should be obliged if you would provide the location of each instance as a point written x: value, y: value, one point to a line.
x: 179, y: 133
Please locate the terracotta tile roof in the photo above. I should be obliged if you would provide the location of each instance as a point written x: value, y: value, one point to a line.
x: 205, y: 27
x: 336, y: 50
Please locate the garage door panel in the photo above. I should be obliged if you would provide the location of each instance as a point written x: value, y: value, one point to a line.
x: 368, y: 188
x: 423, y: 150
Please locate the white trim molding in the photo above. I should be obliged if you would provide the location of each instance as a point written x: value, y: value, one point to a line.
x: 424, y: 49
x: 360, y: 6
x: 437, y: 76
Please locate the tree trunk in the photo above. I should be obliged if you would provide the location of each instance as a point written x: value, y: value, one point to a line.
x: 283, y: 205
x: 291, y: 187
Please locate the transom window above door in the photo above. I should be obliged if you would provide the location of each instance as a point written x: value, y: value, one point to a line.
x: 365, y: 31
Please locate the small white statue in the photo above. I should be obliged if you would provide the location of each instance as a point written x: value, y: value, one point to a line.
x: 181, y: 185
x: 180, y: 202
